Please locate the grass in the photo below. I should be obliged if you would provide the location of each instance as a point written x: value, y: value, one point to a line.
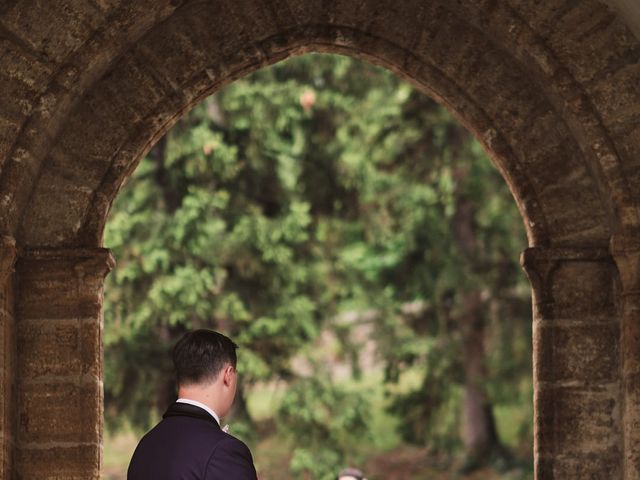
x: 272, y: 454
x: 118, y: 449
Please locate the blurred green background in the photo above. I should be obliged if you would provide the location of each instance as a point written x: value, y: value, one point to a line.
x: 362, y: 250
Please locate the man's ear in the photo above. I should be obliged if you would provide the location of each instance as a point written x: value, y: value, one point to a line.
x: 228, y: 374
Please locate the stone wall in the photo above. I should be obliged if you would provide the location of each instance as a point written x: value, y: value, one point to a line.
x: 627, y: 255
x: 59, y: 363
x: 7, y: 356
x: 576, y: 330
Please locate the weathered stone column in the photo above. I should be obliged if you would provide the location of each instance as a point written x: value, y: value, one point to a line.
x: 59, y: 363
x: 7, y: 355
x: 627, y: 257
x: 576, y: 364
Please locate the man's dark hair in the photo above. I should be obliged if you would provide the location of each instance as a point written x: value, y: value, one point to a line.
x: 200, y: 355
x: 351, y: 472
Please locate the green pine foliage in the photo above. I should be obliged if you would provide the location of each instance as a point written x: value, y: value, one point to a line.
x: 319, y: 186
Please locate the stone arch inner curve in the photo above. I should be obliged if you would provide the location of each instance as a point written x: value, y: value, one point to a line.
x: 503, y: 102
x: 138, y: 144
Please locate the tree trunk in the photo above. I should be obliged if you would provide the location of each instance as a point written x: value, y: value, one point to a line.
x: 479, y: 432
x: 166, y: 392
x: 170, y: 195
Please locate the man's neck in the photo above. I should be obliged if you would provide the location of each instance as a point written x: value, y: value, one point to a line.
x: 196, y: 403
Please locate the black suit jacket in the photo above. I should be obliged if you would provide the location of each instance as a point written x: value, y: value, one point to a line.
x: 188, y: 444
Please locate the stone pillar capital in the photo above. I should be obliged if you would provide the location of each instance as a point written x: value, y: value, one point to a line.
x: 7, y: 257
x: 541, y: 263
x: 538, y: 259
x: 626, y: 253
x: 84, y: 262
x: 55, y: 278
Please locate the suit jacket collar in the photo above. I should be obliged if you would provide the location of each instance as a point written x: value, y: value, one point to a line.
x: 186, y: 410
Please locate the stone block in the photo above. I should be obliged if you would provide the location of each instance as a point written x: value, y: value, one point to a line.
x: 3, y: 419
x: 4, y: 394
x: 124, y: 104
x: 7, y: 349
x: 575, y: 421
x: 55, y: 35
x: 5, y: 321
x: 602, y: 466
x: 179, y: 55
x: 409, y: 12
x: 75, y: 462
x: 59, y: 348
x: 58, y: 288
x: 6, y: 456
x: 59, y: 412
x: 581, y: 289
x: 55, y: 186
x: 586, y: 353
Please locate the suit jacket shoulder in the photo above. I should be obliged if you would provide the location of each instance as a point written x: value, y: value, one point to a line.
x: 231, y: 459
x: 188, y: 444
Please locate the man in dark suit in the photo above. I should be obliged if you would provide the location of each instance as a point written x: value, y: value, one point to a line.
x: 188, y: 444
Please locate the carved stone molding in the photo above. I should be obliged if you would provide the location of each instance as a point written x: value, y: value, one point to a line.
x: 86, y: 262
x: 626, y: 252
x: 62, y: 282
x: 541, y: 263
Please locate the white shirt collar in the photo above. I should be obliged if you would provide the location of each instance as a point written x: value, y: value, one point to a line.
x: 201, y: 405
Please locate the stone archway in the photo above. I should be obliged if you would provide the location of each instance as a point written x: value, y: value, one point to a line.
x: 550, y: 88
